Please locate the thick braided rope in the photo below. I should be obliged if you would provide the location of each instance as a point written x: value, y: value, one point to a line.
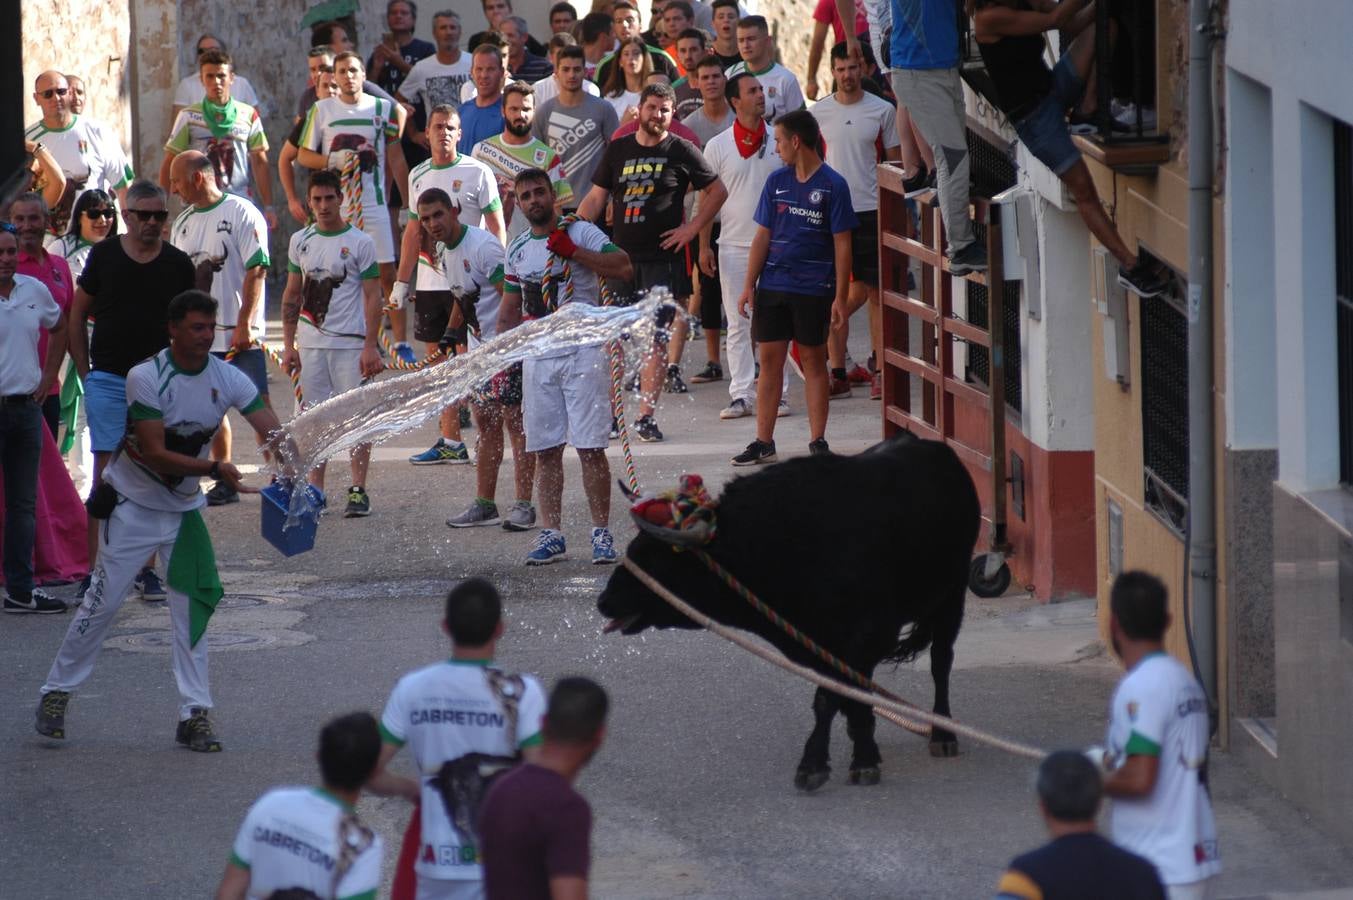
x: 880, y: 704
x: 352, y: 181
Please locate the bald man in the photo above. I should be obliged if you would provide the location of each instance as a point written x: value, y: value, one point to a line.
x: 87, y: 153
x: 226, y: 237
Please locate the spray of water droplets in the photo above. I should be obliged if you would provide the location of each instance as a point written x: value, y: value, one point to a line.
x: 382, y: 409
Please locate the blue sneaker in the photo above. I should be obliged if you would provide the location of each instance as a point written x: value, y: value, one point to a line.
x: 549, y: 547
x: 442, y: 453
x: 603, y: 547
x: 149, y: 585
x: 405, y: 353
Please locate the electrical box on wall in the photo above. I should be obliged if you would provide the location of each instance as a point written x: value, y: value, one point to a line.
x: 1111, y: 300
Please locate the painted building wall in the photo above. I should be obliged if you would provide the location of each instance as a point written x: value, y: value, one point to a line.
x: 1286, y: 74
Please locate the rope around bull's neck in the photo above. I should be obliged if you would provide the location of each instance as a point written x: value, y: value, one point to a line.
x: 888, y: 708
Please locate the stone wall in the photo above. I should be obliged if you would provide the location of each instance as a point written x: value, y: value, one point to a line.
x: 88, y: 38
x: 791, y: 24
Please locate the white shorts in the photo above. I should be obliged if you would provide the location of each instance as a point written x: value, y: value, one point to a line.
x: 1194, y: 890
x: 567, y: 399
x: 449, y: 889
x: 329, y: 372
x: 376, y: 223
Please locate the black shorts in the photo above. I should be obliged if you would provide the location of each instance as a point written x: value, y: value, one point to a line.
x: 864, y: 248
x: 668, y: 271
x: 711, y: 294
x: 251, y: 362
x: 782, y: 316
x: 432, y: 312
x: 504, y: 388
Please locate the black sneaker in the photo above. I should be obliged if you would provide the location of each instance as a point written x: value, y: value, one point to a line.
x: 1144, y: 279
x: 82, y: 589
x: 359, y: 504
x: 51, y: 718
x: 150, y: 586
x: 674, y: 383
x: 615, y: 428
x: 195, y: 732
x: 757, y: 453
x: 38, y: 601
x: 819, y: 448
x: 917, y: 183
x: 711, y: 372
x: 221, y: 494
x: 648, y: 430
x: 972, y: 258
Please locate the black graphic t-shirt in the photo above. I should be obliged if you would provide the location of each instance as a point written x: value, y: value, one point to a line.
x: 647, y: 186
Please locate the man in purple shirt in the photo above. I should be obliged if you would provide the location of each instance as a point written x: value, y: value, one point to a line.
x: 534, y: 828
x: 30, y: 216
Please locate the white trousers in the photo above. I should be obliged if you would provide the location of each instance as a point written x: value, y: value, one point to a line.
x: 740, y: 353
x: 126, y: 540
x: 1195, y: 890
x: 447, y: 889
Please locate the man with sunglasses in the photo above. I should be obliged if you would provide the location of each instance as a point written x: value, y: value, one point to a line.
x: 89, y: 157
x: 26, y: 309
x: 126, y: 287
x: 191, y: 89
x: 228, y: 131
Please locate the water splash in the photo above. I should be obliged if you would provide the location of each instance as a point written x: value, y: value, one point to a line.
x: 382, y: 409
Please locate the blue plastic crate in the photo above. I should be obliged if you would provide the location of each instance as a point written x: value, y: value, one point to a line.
x: 290, y: 541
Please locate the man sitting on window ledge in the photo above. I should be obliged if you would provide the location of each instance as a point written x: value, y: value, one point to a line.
x: 1036, y: 99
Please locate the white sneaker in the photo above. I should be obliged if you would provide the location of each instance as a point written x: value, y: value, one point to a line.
x: 738, y: 409
x: 783, y: 409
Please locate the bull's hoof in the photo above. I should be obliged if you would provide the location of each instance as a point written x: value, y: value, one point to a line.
x: 865, y: 776
x: 808, y: 781
x: 944, y: 748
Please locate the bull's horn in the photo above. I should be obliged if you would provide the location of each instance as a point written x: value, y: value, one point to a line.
x: 630, y: 494
x: 695, y: 536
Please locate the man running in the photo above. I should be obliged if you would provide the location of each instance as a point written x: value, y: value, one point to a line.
x: 645, y: 176
x: 227, y: 239
x: 309, y: 838
x: 150, y: 500
x: 566, y: 397
x: 855, y: 124
x: 460, y: 718
x: 474, y: 191
x: 332, y: 291
x: 797, y: 272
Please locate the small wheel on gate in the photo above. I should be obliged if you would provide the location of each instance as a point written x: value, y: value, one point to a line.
x: 988, y: 586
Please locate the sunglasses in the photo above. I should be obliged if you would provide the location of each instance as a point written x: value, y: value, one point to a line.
x: 146, y: 215
x: 47, y: 94
x: 100, y: 213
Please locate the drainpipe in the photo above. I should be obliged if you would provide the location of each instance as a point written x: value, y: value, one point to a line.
x: 1202, y: 431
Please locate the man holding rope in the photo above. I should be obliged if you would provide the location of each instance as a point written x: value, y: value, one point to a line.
x: 226, y: 237
x: 332, y: 290
x: 566, y: 397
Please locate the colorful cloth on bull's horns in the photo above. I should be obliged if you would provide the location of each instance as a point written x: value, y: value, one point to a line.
x: 689, y: 507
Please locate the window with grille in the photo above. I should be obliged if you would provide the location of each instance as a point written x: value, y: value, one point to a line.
x: 1164, y: 340
x: 1343, y: 290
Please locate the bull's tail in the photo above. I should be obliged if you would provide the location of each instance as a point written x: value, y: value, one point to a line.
x: 911, y: 644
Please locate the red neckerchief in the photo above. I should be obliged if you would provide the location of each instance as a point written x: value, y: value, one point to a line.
x: 748, y: 141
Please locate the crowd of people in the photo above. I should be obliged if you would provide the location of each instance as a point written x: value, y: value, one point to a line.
x: 486, y: 181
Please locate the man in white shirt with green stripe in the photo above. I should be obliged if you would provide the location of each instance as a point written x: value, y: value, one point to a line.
x: 227, y: 239
x: 310, y: 839
x: 1156, y: 751
x: 333, y: 298
x: 459, y: 718
x: 150, y: 497
x: 758, y: 58
x: 357, y: 135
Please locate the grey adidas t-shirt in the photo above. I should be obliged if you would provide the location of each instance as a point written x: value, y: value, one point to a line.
x: 579, y: 134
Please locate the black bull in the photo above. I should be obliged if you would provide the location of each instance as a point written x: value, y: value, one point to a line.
x: 851, y: 550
